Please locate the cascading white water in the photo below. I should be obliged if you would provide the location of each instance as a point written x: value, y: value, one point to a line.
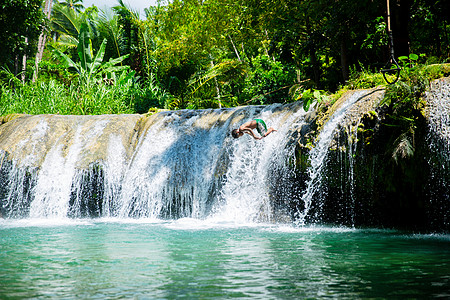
x: 58, y: 177
x: 319, y: 154
x: 173, y: 169
x: 438, y: 108
x: 181, y: 164
x: 246, y: 193
x: 114, y: 167
x: 51, y: 194
x: 352, y: 144
x: 178, y: 168
x: 438, y: 111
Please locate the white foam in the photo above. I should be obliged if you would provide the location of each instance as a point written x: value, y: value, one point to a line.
x: 44, y: 222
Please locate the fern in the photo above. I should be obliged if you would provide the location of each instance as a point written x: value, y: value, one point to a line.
x: 404, y: 146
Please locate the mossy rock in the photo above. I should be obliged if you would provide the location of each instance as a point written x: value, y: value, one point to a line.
x: 10, y: 117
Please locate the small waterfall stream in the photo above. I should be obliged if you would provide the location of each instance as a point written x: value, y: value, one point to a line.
x: 438, y: 110
x: 319, y: 154
x: 438, y: 138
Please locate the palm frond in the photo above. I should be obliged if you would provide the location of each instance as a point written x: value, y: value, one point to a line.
x: 222, y: 71
x: 68, y: 41
x: 108, y: 24
x: 65, y: 20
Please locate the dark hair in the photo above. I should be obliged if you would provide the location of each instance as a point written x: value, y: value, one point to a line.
x: 234, y: 133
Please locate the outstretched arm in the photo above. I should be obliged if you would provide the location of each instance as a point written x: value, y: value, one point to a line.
x: 250, y: 132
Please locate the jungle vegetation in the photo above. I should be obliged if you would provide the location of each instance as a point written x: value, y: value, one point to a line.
x: 62, y: 57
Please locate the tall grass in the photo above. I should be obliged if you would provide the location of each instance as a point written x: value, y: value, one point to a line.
x: 52, y: 97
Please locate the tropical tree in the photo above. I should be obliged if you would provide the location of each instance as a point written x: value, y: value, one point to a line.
x: 135, y: 39
x: 108, y: 27
x: 67, y: 24
x: 76, y: 5
x: 90, y: 67
x: 20, y: 23
x: 42, y: 39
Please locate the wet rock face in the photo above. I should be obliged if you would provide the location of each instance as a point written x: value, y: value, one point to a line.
x: 28, y: 139
x: 365, y: 184
x: 325, y: 195
x: 361, y: 114
x: 69, y: 147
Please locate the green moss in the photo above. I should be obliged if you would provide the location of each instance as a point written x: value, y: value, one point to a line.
x: 154, y: 110
x: 10, y: 117
x: 373, y: 114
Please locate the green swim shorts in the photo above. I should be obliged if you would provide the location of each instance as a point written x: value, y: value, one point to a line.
x: 261, y: 127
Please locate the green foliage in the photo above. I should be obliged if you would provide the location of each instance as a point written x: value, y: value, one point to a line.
x: 134, y: 37
x: 214, y: 86
x: 150, y: 95
x: 429, y: 27
x: 67, y: 22
x: 404, y: 103
x: 411, y: 85
x: 211, y: 53
x: 102, y: 86
x: 409, y: 61
x: 308, y: 96
x: 364, y: 78
x: 267, y: 82
x: 376, y: 38
x: 109, y: 27
x: 53, y: 70
x: 19, y: 19
x: 91, y: 67
x: 51, y: 97
x: 7, y: 78
x: 73, y: 4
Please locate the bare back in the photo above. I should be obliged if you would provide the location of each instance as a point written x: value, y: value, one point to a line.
x: 250, y: 125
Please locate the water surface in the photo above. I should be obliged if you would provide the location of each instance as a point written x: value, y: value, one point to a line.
x: 195, y: 259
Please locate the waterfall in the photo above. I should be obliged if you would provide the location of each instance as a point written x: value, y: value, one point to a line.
x: 438, y: 138
x: 53, y: 187
x: 251, y: 173
x: 171, y: 164
x: 173, y: 168
x: 318, y: 156
x: 187, y: 165
x: 438, y: 110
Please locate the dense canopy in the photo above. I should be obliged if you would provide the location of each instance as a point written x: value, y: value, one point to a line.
x: 204, y: 53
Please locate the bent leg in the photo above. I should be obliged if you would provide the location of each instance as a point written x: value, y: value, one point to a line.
x: 269, y: 131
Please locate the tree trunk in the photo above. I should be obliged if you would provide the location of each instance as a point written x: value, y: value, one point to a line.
x: 24, y: 62
x: 264, y: 46
x: 400, y: 23
x: 234, y: 47
x: 344, y: 58
x: 217, y: 87
x: 16, y: 65
x: 42, y: 40
x: 312, y: 53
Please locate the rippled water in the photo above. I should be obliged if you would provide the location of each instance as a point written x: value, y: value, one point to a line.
x: 199, y: 260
